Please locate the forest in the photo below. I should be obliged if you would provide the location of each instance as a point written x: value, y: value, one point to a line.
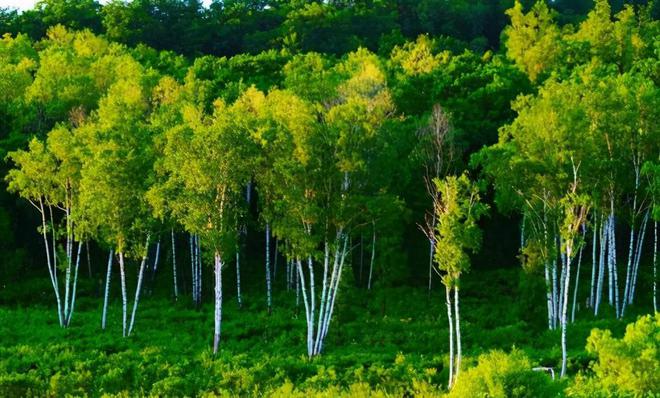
x: 341, y: 198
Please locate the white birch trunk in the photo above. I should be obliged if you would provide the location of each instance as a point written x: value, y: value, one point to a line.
x: 138, y: 289
x: 324, y: 293
x: 122, y: 277
x: 176, y: 287
x: 312, y: 294
x: 638, y: 257
x: 564, y: 308
x: 52, y: 266
x: 577, y: 276
x: 326, y: 326
x: 615, y: 283
x: 601, y: 265
x: 451, y: 336
x: 217, y: 316
x: 310, y: 330
x: 548, y: 292
x: 107, y: 290
x: 192, y: 269
x: 89, y: 261
x: 459, y: 353
x: 75, y: 284
x: 238, y: 278
x: 268, y: 285
x: 594, y: 261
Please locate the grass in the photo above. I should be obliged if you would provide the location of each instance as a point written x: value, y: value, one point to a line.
x: 389, y: 340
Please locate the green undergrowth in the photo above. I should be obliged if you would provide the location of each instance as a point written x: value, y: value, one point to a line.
x: 388, y: 342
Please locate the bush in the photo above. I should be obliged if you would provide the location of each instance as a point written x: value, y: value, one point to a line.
x: 499, y: 374
x: 624, y: 367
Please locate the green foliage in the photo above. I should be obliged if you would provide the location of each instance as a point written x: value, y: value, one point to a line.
x: 501, y: 375
x: 458, y: 210
x: 629, y: 366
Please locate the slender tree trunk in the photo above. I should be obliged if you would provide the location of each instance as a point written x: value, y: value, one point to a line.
x: 51, y: 265
x: 176, y: 287
x: 564, y: 308
x: 630, y: 265
x: 199, y: 272
x: 217, y: 318
x: 238, y: 278
x: 459, y: 354
x: 451, y: 336
x: 431, y: 250
x: 638, y: 257
x: 75, y: 284
x: 655, y: 265
x: 310, y: 330
x: 548, y: 293
x: 67, y: 280
x: 268, y: 285
x: 297, y: 282
x: 89, y: 261
x: 312, y: 294
x: 138, y: 289
x: 324, y: 292
x: 107, y: 290
x: 615, y: 284
x: 555, y: 294
x: 156, y: 258
x: 373, y: 257
x: 193, y: 272
x: 334, y: 294
x: 594, y: 261
x: 124, y: 305
x: 601, y: 264
x: 577, y: 276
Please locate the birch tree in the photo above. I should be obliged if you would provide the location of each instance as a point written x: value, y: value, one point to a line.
x: 205, y: 166
x: 458, y: 208
x: 114, y: 176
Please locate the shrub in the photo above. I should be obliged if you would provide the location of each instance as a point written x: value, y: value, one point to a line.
x: 499, y: 374
x: 629, y: 366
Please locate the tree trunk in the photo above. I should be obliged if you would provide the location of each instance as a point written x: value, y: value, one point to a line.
x: 89, y: 261
x: 176, y: 287
x: 564, y: 308
x: 638, y: 257
x: 310, y: 329
x: 312, y: 294
x: 52, y: 266
x: 592, y: 292
x: 324, y: 292
x: 459, y: 353
x: 373, y: 256
x: 615, y: 273
x: 238, y: 278
x: 138, y: 289
x: 75, y: 284
x: 268, y: 286
x: 122, y: 277
x: 601, y: 265
x: 107, y: 290
x: 577, y: 275
x: 655, y: 265
x: 451, y: 335
x: 217, y: 317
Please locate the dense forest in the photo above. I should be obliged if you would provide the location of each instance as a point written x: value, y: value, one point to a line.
x: 337, y: 198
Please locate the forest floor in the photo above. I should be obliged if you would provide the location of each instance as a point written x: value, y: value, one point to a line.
x: 390, y: 339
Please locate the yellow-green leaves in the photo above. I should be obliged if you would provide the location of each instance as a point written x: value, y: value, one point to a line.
x: 458, y: 208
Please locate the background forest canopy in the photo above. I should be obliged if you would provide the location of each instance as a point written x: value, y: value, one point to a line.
x: 363, y: 145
